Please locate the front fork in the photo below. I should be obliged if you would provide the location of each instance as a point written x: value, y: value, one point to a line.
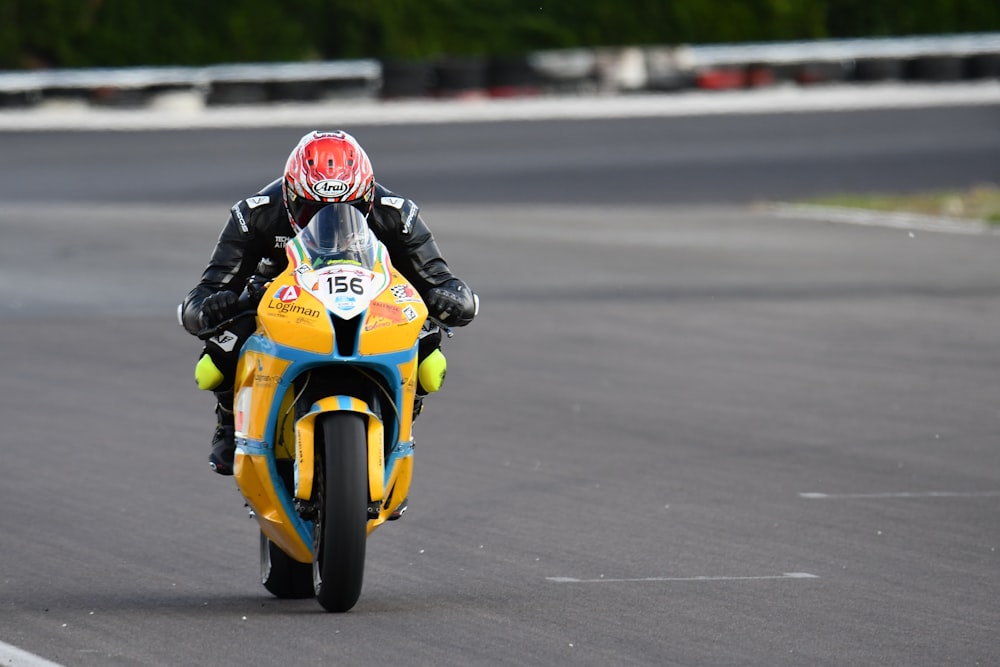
x: 388, y: 477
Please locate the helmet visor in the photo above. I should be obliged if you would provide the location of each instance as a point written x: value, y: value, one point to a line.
x: 302, y: 210
x: 338, y: 233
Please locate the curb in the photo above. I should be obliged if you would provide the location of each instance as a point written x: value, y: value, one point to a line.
x: 892, y: 220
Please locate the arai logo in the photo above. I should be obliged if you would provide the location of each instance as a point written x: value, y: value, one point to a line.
x: 331, y: 188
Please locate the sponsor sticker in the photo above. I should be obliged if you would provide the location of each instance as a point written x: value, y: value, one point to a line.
x: 375, y: 322
x: 265, y: 380
x: 287, y: 294
x: 238, y: 214
x: 387, y: 311
x: 344, y: 301
x: 289, y: 309
x: 225, y: 340
x: 408, y: 223
x: 404, y: 293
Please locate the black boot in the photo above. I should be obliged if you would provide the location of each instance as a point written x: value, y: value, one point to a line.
x: 224, y: 440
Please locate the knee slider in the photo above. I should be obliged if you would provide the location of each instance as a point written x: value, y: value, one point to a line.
x: 207, y: 374
x: 431, y: 372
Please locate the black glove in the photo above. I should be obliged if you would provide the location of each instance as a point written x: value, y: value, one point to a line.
x: 451, y: 302
x: 254, y: 291
x: 218, y: 307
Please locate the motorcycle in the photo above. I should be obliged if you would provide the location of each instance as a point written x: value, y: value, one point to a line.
x: 324, y: 402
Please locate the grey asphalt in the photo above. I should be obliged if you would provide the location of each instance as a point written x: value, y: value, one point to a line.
x: 683, y: 431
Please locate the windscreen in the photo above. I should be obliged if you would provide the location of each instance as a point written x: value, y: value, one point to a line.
x: 339, y: 233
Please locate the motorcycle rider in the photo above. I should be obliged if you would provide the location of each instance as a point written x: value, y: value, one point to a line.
x: 324, y: 168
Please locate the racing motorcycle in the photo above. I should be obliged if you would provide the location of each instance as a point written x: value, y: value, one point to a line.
x: 324, y: 402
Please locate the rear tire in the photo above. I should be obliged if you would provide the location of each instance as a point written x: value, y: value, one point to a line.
x: 341, y: 528
x: 283, y: 576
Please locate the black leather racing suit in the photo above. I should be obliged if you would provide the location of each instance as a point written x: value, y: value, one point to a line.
x: 253, y: 242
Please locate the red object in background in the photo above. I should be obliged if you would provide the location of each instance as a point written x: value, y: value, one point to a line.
x: 721, y: 79
x: 731, y: 78
x: 758, y: 76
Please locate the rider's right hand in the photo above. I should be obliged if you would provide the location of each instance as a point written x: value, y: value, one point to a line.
x: 218, y: 307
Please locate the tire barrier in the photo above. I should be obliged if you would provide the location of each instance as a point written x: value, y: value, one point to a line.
x: 512, y: 77
x: 236, y: 93
x: 755, y: 75
x: 721, y: 78
x: 879, y: 69
x: 557, y: 72
x: 296, y: 91
x: 406, y: 79
x: 823, y: 71
x: 935, y: 68
x: 983, y: 66
x: 18, y: 99
x: 460, y: 78
x: 761, y: 75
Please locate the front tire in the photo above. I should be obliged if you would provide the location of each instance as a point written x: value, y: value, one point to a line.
x: 283, y: 576
x: 341, y: 527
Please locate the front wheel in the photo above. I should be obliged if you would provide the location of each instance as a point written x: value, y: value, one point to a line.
x: 341, y: 528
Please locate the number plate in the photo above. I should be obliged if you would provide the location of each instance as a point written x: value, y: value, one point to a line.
x: 346, y: 289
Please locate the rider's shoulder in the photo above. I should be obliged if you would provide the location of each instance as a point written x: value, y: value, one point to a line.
x: 261, y: 210
x: 401, y: 210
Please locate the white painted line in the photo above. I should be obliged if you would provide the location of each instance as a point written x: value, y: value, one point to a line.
x: 12, y: 655
x: 786, y: 575
x: 903, y: 494
x: 866, y: 218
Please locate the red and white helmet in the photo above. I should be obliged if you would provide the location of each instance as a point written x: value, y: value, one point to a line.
x: 326, y: 168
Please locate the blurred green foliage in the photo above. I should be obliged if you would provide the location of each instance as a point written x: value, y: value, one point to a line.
x: 115, y: 33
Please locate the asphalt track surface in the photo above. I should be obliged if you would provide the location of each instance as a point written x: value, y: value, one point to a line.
x: 683, y: 431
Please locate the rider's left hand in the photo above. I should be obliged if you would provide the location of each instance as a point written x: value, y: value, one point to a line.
x: 452, y: 302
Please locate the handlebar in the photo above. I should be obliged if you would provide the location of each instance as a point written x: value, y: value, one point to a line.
x: 215, y: 330
x: 442, y: 326
x: 247, y: 303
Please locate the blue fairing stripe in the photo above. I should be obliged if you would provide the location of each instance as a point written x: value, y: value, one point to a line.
x: 302, y: 527
x: 254, y: 446
x: 402, y: 450
x: 385, y: 364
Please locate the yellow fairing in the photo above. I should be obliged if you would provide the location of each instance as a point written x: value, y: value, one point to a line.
x: 408, y: 373
x: 399, y: 489
x: 394, y: 319
x: 291, y: 316
x: 259, y: 489
x: 257, y: 377
x: 257, y: 381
